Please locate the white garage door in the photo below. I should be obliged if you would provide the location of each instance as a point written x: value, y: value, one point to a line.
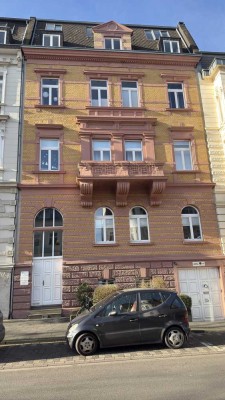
x: 202, y: 285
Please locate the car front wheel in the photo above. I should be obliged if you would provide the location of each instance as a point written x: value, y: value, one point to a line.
x: 86, y: 344
x: 174, y: 338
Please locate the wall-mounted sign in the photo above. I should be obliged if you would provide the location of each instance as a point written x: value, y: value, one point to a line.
x: 198, y: 264
x: 24, y: 278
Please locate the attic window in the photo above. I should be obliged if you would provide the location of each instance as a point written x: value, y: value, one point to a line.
x: 112, y: 44
x: 53, y: 27
x: 89, y: 32
x: 2, y: 37
x: 156, y: 34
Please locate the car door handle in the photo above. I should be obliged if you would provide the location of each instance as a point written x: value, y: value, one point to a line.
x: 133, y: 319
x: 162, y: 315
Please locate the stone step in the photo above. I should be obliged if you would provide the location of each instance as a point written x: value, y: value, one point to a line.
x: 40, y: 313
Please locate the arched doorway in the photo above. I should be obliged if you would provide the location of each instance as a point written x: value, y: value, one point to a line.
x: 47, y: 258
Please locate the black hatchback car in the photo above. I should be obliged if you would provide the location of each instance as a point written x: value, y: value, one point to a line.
x: 131, y: 317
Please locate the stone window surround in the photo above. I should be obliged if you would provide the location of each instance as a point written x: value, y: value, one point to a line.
x: 51, y: 73
x: 177, y: 78
x: 49, y: 131
x: 184, y: 133
x: 3, y: 73
x: 121, y: 76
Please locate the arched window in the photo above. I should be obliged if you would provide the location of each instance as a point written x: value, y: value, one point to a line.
x: 139, y: 229
x: 48, y: 233
x: 104, y: 225
x: 191, y: 224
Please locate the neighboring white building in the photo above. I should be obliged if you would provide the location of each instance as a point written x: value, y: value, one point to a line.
x: 12, y: 34
x: 212, y: 87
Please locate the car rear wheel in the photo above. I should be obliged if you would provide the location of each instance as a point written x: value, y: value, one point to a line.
x: 174, y: 338
x: 86, y: 344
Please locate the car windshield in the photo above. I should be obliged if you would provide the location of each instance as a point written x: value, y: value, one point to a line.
x: 104, y: 301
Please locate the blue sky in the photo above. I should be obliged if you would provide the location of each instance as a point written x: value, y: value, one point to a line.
x: 205, y: 19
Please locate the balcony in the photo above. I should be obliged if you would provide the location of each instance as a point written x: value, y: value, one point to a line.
x: 123, y: 175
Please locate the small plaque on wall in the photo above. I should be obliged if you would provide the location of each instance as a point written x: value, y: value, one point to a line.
x: 24, y: 278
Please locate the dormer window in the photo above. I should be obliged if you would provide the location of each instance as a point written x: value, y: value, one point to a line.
x: 112, y: 44
x: 156, y: 34
x: 53, y: 27
x: 51, y: 40
x: 2, y: 37
x: 171, y: 46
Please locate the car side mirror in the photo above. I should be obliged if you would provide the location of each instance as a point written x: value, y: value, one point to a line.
x: 112, y: 313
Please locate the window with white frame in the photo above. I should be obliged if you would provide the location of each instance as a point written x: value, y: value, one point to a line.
x: 112, y: 43
x: 2, y: 37
x: 176, y: 95
x: 129, y: 94
x: 104, y: 226
x: 89, y: 32
x: 2, y: 137
x: 51, y: 40
x: 182, y: 152
x: 154, y: 34
x: 133, y: 150
x: 48, y: 225
x: 101, y: 150
x: 171, y: 46
x: 191, y: 224
x: 99, y: 93
x: 139, y: 229
x: 49, y: 154
x: 50, y: 91
x: 53, y: 27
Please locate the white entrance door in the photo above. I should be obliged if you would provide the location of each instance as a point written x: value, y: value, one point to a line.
x: 202, y: 285
x: 47, y: 281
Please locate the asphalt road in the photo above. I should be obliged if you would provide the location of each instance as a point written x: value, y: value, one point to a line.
x: 197, y: 378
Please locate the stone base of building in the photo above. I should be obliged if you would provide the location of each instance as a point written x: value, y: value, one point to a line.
x: 5, y: 289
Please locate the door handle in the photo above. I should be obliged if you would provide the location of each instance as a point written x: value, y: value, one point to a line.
x: 133, y: 319
x: 162, y: 315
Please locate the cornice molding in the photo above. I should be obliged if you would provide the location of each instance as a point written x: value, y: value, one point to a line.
x: 121, y: 74
x: 48, y: 126
x: 129, y: 57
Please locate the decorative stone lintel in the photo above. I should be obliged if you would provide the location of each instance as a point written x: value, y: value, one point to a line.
x: 86, y: 191
x: 122, y: 190
x: 157, y: 188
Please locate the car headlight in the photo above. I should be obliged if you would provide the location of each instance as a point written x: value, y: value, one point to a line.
x: 72, y: 329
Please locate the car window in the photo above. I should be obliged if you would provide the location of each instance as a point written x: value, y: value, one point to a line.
x: 123, y: 304
x: 150, y: 300
x: 101, y: 303
x: 177, y: 303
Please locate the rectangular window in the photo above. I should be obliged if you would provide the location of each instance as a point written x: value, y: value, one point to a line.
x: 49, y: 155
x: 112, y: 44
x: 89, y: 32
x: 99, y: 95
x: 156, y: 34
x: 2, y: 37
x: 130, y: 94
x: 51, y: 40
x: 1, y: 149
x: 182, y: 151
x: 171, y: 46
x: 101, y: 150
x: 176, y: 95
x: 1, y: 88
x: 133, y: 150
x: 50, y: 92
x: 53, y: 27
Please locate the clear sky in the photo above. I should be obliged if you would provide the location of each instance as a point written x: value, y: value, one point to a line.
x: 205, y: 19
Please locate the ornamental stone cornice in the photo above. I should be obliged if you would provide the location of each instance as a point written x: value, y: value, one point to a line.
x: 100, y: 55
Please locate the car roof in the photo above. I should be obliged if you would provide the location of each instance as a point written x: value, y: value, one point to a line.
x: 148, y: 289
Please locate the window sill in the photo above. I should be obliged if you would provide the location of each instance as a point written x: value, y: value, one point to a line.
x: 48, y: 172
x: 49, y: 106
x: 195, y: 241
x: 186, y: 171
x: 105, y: 244
x: 179, y: 109
x: 141, y: 243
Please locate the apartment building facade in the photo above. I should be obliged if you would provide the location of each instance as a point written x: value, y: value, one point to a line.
x: 115, y: 182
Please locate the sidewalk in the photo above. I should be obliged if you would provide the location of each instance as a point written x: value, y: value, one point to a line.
x: 54, y: 330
